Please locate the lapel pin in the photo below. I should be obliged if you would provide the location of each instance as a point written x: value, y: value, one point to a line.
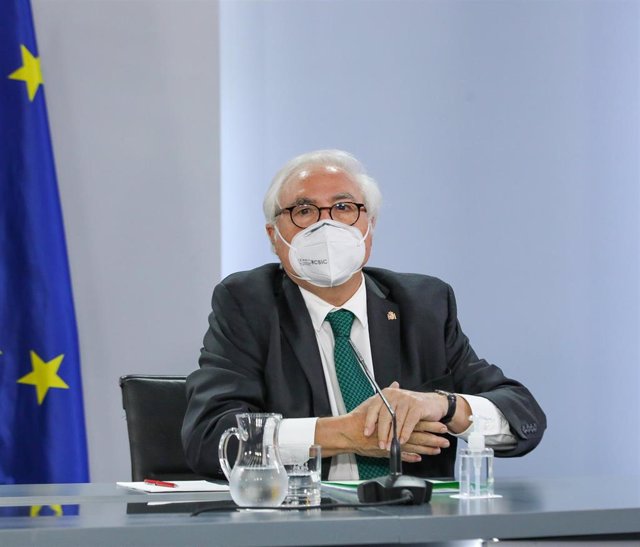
x: 391, y: 316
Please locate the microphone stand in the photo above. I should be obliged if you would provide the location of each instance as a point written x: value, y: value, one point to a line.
x: 395, y: 485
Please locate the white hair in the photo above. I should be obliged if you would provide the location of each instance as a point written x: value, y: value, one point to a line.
x: 338, y: 159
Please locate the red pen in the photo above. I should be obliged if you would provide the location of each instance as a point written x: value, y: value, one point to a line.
x: 161, y: 483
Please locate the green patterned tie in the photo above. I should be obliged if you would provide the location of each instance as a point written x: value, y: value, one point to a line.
x: 354, y: 385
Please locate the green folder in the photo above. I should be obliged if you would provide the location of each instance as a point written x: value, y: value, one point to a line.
x: 439, y: 486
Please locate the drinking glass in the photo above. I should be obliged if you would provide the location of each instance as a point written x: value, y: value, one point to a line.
x: 303, y: 464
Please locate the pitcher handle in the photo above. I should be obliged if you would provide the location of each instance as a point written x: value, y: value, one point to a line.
x: 222, y: 450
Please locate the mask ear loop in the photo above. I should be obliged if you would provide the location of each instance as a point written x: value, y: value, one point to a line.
x: 282, y: 238
x: 364, y: 237
x: 290, y: 247
x: 366, y: 234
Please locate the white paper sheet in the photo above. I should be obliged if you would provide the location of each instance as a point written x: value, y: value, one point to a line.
x: 181, y: 486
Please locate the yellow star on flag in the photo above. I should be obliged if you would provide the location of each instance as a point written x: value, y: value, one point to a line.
x: 35, y: 510
x: 29, y: 72
x: 44, y: 375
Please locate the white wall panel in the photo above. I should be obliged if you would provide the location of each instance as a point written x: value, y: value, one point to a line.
x: 132, y: 90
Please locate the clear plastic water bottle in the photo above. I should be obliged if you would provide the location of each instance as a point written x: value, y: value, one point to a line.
x: 476, y: 466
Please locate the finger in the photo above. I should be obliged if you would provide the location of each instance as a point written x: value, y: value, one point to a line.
x: 428, y: 439
x: 410, y: 421
x: 411, y: 457
x: 424, y: 450
x: 373, y: 410
x: 385, y: 421
x: 401, y: 410
x: 430, y: 427
x: 384, y: 428
x: 394, y: 385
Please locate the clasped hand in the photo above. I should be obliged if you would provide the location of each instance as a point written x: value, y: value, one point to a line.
x: 417, y: 422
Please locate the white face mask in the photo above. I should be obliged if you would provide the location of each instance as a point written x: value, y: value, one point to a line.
x: 327, y: 253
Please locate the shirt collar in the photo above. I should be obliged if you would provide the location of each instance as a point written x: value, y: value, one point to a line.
x: 318, y: 308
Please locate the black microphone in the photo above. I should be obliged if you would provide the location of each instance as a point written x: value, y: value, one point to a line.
x: 395, y: 485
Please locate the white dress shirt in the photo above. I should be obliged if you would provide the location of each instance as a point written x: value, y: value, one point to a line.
x: 301, y: 431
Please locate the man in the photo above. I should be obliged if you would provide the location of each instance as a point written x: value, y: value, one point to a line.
x: 279, y: 341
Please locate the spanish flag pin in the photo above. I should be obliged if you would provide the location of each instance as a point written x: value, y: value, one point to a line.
x: 391, y: 316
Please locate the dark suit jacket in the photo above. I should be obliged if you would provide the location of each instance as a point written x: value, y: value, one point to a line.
x: 260, y: 355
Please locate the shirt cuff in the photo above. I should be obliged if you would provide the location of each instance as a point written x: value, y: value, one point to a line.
x: 496, y: 430
x: 295, y: 437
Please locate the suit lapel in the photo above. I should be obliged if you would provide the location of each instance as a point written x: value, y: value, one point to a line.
x: 298, y: 330
x: 384, y: 334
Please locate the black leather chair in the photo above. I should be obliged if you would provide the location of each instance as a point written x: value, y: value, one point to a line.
x: 155, y: 407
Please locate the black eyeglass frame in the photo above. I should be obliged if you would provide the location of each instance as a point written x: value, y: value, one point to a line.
x: 359, y: 206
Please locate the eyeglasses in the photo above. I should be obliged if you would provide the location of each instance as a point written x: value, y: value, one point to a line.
x: 307, y: 214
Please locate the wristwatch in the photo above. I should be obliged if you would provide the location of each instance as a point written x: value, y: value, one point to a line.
x: 451, y: 398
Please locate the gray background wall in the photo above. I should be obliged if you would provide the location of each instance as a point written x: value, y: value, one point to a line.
x: 504, y: 136
x: 132, y: 90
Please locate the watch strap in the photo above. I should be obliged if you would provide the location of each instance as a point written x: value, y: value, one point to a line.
x: 451, y: 410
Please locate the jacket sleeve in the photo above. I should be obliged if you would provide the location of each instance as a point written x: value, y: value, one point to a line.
x: 229, y: 381
x: 476, y: 376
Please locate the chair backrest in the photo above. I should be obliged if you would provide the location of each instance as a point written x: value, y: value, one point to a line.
x: 155, y: 407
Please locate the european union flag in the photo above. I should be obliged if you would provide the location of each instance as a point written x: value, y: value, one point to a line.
x: 42, y: 430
